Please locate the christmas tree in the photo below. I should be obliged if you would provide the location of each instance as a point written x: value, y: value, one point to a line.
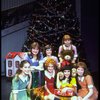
x: 50, y: 21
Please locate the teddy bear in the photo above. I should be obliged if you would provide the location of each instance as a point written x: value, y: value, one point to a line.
x: 66, y: 58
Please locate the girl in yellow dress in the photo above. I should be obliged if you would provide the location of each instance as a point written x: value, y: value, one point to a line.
x: 65, y: 82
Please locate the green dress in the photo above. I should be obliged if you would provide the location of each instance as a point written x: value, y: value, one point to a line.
x: 21, y: 87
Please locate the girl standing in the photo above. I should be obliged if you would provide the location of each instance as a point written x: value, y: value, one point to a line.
x: 69, y: 47
x: 21, y: 82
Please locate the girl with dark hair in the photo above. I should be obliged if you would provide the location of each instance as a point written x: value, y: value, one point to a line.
x: 21, y: 82
x: 66, y: 83
x: 87, y: 90
x: 48, y: 52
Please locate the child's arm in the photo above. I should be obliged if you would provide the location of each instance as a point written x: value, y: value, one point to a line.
x: 50, y: 94
x: 58, y: 85
x: 15, y: 86
x: 90, y: 87
x: 14, y: 97
x: 36, y: 68
x: 59, y: 54
x: 30, y: 80
x: 41, y: 62
x: 88, y: 95
x: 47, y: 88
x: 75, y: 54
x: 40, y: 67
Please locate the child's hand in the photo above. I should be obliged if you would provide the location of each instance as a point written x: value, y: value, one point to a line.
x: 74, y: 98
x: 52, y: 96
x: 79, y: 98
x: 60, y: 59
x: 30, y: 74
x: 66, y: 89
x: 59, y: 65
x: 73, y: 61
x: 58, y: 73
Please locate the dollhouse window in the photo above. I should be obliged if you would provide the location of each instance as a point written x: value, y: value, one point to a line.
x: 9, y: 72
x: 9, y: 63
x: 17, y: 64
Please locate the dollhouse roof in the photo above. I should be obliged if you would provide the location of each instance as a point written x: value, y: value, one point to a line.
x: 12, y: 55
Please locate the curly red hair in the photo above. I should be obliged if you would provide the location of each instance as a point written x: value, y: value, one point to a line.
x: 50, y: 61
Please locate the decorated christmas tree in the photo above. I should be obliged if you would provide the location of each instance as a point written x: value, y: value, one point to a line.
x: 51, y: 19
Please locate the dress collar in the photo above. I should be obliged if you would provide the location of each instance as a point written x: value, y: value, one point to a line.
x: 65, y: 47
x: 48, y: 74
x: 81, y: 78
x: 23, y: 78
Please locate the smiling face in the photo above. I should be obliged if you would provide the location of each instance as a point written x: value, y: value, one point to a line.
x: 50, y: 68
x: 35, y: 51
x: 67, y: 42
x: 48, y: 52
x: 35, y: 48
x: 67, y: 73
x: 26, y: 68
x: 80, y: 71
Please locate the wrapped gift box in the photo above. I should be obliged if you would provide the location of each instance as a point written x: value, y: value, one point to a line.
x: 67, y: 93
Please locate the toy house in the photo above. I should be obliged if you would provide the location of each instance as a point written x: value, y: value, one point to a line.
x: 13, y: 60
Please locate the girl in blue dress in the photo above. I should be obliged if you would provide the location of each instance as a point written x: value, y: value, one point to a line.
x: 21, y: 82
x: 35, y: 57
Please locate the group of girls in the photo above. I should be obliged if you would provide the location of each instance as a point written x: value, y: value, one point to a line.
x: 57, y: 79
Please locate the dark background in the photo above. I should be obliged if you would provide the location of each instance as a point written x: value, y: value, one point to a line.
x: 90, y: 35
x: 90, y: 31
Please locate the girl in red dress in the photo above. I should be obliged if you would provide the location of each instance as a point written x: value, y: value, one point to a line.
x: 50, y: 72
